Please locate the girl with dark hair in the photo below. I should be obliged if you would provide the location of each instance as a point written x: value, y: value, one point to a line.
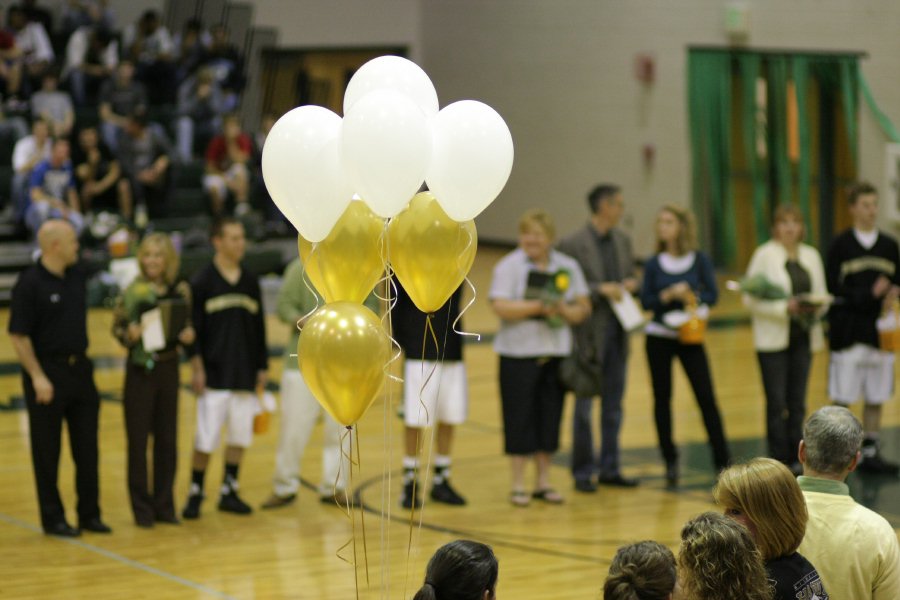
x: 460, y: 570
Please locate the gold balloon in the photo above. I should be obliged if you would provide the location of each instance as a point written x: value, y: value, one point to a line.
x: 346, y: 265
x: 342, y: 353
x: 430, y: 252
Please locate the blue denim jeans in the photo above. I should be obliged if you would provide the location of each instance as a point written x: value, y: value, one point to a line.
x: 614, y: 357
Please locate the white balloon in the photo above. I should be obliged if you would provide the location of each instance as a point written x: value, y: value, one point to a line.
x: 392, y: 73
x: 471, y: 159
x: 302, y: 168
x: 385, y: 146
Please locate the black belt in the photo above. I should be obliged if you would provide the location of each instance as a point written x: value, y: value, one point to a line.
x: 69, y: 359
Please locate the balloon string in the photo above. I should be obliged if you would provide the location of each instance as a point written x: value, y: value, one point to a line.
x: 348, y: 507
x: 465, y: 309
x: 390, y: 300
x: 362, y: 513
x: 314, y: 254
x: 472, y: 240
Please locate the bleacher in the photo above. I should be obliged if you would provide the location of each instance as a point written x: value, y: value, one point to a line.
x: 188, y: 210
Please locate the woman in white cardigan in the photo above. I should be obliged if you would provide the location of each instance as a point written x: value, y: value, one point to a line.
x: 787, y: 332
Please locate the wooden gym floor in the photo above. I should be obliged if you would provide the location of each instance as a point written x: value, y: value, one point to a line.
x: 306, y: 550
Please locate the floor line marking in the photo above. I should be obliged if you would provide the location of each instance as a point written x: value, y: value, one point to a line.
x: 121, y: 559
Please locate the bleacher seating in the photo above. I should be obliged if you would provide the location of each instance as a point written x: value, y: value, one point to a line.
x: 188, y: 208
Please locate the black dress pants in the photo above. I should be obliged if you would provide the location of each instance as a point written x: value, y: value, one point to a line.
x: 75, y: 401
x: 661, y: 352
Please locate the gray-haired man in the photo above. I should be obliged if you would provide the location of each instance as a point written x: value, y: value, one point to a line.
x: 854, y: 549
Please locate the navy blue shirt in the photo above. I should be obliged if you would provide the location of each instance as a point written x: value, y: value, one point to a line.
x: 700, y: 276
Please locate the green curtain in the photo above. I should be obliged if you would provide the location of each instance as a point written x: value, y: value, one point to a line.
x: 800, y: 76
x: 776, y: 179
x: 778, y: 131
x: 883, y: 121
x: 709, y: 101
x: 849, y: 73
x: 749, y: 65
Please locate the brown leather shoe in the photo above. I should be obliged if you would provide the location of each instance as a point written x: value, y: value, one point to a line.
x: 276, y: 501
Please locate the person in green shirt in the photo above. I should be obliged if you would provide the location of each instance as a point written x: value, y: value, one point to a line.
x: 299, y: 408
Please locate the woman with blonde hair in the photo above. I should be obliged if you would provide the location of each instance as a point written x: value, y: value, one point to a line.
x: 719, y: 560
x: 641, y: 571
x: 152, y: 319
x: 786, y: 331
x: 677, y: 276
x: 538, y: 293
x: 763, y: 495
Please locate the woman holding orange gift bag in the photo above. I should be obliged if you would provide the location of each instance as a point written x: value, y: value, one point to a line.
x: 679, y: 286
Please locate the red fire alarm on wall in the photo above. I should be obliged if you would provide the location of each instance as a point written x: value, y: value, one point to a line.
x: 645, y: 67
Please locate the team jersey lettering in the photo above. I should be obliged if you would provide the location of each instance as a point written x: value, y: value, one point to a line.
x: 226, y: 301
x: 866, y: 263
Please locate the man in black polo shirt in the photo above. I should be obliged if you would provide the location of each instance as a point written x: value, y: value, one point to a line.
x: 47, y: 326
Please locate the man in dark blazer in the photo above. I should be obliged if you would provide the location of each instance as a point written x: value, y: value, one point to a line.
x: 605, y: 255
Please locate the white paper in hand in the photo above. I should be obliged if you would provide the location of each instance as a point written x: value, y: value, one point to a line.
x: 628, y: 312
x: 152, y: 335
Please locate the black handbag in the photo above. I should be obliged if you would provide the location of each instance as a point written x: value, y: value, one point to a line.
x: 580, y: 374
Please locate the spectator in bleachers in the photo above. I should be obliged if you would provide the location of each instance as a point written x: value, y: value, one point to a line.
x: 87, y: 13
x: 37, y: 14
x: 52, y: 190
x: 190, y: 48
x: 143, y: 154
x: 53, y: 106
x: 98, y: 174
x: 28, y: 152
x: 120, y: 96
x: 200, y: 109
x: 266, y: 122
x: 10, y: 67
x: 91, y: 58
x: 226, y: 61
x: 34, y: 42
x: 150, y: 46
x: 12, y: 129
x: 274, y: 217
x: 226, y: 167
